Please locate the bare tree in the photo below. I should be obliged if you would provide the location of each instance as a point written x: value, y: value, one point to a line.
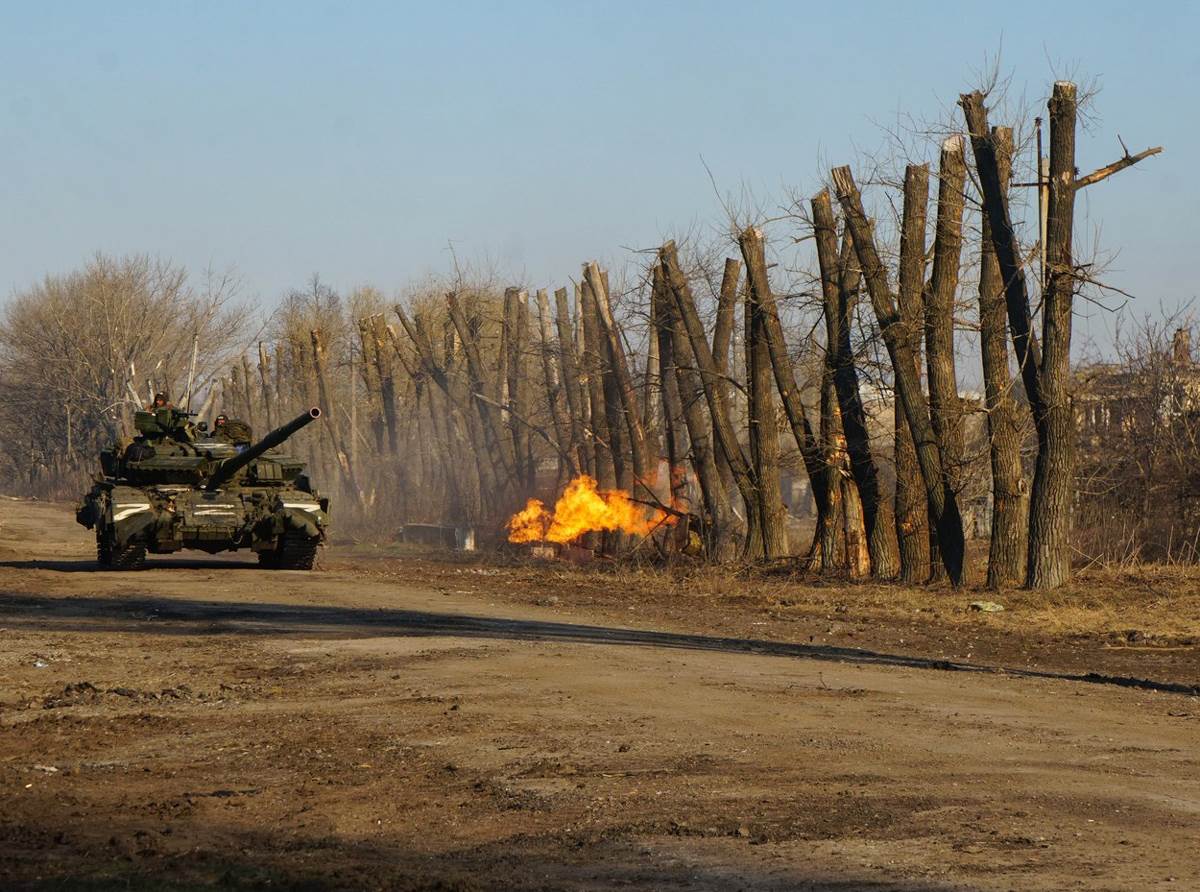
x: 720, y: 526
x: 942, y: 500
x: 554, y: 389
x: 723, y: 432
x: 673, y: 424
x: 945, y: 410
x: 839, y: 285
x: 603, y: 441
x: 618, y: 368
x: 332, y: 425
x: 1010, y: 503
x: 569, y: 368
x: 761, y: 350
x: 912, y: 514
x: 77, y: 352
x: 1045, y: 368
x: 264, y: 374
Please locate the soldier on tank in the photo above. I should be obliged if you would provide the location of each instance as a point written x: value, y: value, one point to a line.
x: 230, y: 430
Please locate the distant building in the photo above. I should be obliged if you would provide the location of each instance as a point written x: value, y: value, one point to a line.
x: 1115, y: 400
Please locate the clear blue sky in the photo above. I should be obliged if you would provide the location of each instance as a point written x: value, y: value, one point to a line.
x: 356, y: 139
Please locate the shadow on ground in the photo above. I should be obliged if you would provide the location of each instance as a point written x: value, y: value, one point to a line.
x: 264, y: 860
x: 183, y: 616
x: 153, y: 562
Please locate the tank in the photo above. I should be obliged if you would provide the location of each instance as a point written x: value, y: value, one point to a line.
x: 177, y: 486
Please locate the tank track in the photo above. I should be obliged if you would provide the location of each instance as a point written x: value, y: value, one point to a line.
x: 292, y: 553
x: 132, y: 556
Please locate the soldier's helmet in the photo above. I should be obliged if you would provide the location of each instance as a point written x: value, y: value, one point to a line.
x: 161, y: 400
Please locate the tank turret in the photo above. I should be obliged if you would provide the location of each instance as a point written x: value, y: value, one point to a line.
x: 231, y: 466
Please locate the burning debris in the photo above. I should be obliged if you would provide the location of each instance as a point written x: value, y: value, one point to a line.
x: 583, y: 508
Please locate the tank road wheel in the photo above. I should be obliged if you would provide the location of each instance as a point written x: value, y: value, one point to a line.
x: 294, y: 552
x: 110, y: 556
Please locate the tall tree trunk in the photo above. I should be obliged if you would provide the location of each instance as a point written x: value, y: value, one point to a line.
x: 762, y: 303
x: 829, y: 549
x: 593, y: 364
x: 498, y: 444
x: 614, y: 416
x: 722, y: 342
x: 916, y: 409
x: 558, y: 415
x: 1016, y: 296
x: 912, y: 507
x: 321, y: 444
x: 1049, y: 558
x: 726, y: 440
x: 1010, y: 505
x: 305, y: 389
x: 614, y: 405
x: 839, y: 287
x: 651, y: 378
x: 494, y: 476
x: 832, y: 521
x: 623, y: 380
x: 944, y: 407
x: 387, y: 380
x: 722, y: 530
x: 858, y: 562
x: 374, y: 402
x: 1045, y: 376
x: 235, y: 395
x: 337, y: 441
x: 515, y: 336
x: 755, y: 546
x: 248, y: 389
x: 453, y: 476
x: 760, y: 296
x: 569, y: 368
x: 281, y: 370
x: 764, y: 431
x: 663, y: 335
x: 425, y: 446
x: 722, y: 337
x: 264, y: 378
x: 858, y: 542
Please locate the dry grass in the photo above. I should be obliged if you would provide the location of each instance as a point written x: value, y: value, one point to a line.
x: 1149, y: 605
x: 1156, y: 602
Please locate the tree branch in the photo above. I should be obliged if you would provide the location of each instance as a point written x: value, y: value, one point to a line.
x: 1108, y: 170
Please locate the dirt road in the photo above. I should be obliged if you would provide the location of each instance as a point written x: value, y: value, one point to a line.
x: 384, y: 725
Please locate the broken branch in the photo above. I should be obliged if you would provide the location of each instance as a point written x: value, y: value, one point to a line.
x: 1109, y: 169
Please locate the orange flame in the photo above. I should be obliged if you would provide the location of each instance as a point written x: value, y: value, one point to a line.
x: 582, y: 508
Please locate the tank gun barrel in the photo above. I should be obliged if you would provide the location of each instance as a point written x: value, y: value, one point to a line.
x: 231, y: 466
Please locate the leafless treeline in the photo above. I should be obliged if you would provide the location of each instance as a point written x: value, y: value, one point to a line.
x: 80, y: 352
x: 460, y: 402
